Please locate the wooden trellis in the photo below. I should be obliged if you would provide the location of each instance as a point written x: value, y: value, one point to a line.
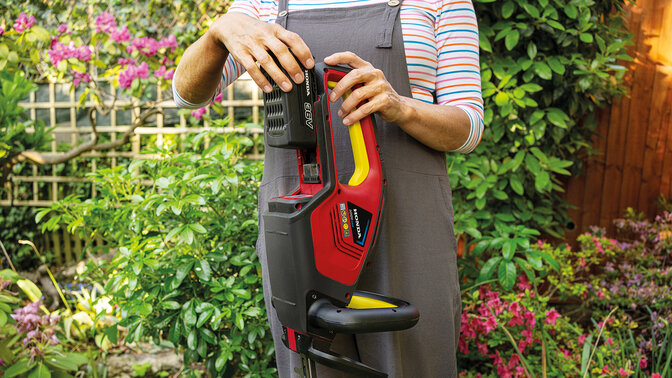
x: 71, y: 125
x: 56, y: 105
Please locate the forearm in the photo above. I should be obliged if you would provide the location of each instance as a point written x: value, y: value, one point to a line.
x: 441, y: 127
x: 200, y: 70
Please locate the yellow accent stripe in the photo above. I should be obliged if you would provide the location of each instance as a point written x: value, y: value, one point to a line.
x: 361, y: 303
x: 358, y: 148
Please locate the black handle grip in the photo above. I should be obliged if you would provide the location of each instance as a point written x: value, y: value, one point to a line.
x: 326, y: 315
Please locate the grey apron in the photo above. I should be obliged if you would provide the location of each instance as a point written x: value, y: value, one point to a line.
x: 415, y: 255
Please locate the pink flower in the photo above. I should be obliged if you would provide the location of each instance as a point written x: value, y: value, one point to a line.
x: 490, y: 324
x: 643, y: 363
x: 160, y: 72
x: 461, y: 344
x: 605, y: 369
x: 656, y: 375
x: 198, y: 113
x: 143, y: 70
x: 582, y: 339
x: 62, y: 28
x: 60, y: 52
x: 530, y: 320
x: 524, y: 283
x: 105, y: 23
x: 610, y: 341
x: 125, y: 62
x: 622, y: 372
x: 218, y: 98
x: 552, y: 316
x: 80, y: 77
x: 483, y: 348
x: 566, y: 353
x: 169, y: 74
x: 146, y: 46
x: 169, y: 42
x: 23, y: 23
x: 120, y: 35
x: 2, y: 30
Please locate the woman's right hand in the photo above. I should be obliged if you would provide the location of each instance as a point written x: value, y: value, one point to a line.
x: 250, y: 41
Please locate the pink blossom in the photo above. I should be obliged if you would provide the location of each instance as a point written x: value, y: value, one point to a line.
x: 129, y: 49
x: 622, y: 372
x: 605, y: 369
x: 80, y: 77
x: 2, y: 30
x: 143, y: 70
x: 146, y: 46
x: 656, y: 375
x: 23, y: 23
x: 610, y: 341
x: 462, y: 346
x: 643, y: 363
x: 125, y: 62
x: 527, y: 333
x: 120, y: 35
x: 169, y: 74
x: 600, y: 294
x: 483, y: 348
x: 60, y: 52
x: 105, y: 23
x: 198, y: 113
x: 540, y: 243
x: 530, y: 319
x: 62, y: 28
x: 160, y: 72
x: 552, y: 316
x: 218, y: 98
x: 582, y: 339
x: 566, y: 353
x: 582, y: 262
x: 169, y: 42
x: 524, y: 283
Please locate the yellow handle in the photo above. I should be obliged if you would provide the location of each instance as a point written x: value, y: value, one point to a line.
x: 361, y: 303
x: 358, y: 148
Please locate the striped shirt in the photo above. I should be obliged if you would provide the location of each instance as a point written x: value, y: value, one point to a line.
x: 441, y: 44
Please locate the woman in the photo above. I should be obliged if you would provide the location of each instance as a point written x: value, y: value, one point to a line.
x: 418, y: 63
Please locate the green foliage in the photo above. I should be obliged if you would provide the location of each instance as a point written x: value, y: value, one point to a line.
x: 545, y: 65
x: 18, y: 224
x: 186, y: 269
x: 14, y: 126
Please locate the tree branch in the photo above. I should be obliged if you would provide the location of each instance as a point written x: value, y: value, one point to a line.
x: 91, y: 145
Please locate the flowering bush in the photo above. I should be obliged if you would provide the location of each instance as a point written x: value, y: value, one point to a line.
x: 29, y: 341
x: 606, y: 310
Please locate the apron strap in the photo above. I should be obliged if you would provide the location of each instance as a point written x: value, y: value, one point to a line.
x: 282, y: 13
x: 389, y: 18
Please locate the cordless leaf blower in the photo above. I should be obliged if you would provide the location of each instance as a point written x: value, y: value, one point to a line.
x: 319, y: 237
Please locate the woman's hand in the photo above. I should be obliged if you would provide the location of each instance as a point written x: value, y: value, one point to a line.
x: 375, y: 94
x: 250, y: 40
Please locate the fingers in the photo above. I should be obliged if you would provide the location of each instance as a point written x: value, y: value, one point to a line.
x: 297, y: 45
x: 253, y: 43
x: 347, y: 58
x: 364, y: 75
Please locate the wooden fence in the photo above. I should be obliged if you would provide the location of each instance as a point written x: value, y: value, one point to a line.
x: 635, y: 133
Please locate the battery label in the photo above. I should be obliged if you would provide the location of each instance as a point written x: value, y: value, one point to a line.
x: 343, y: 212
x: 360, y: 220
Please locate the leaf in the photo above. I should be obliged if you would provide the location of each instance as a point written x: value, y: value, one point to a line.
x: 162, y: 182
x: 170, y: 305
x: 41, y: 371
x: 484, y: 42
x: 187, y: 235
x: 192, y: 339
x: 550, y: 260
x: 181, y: 273
x: 112, y: 333
x: 198, y: 228
x: 585, y: 354
x: 240, y: 322
x: 542, y: 180
x: 204, y: 272
x: 511, y: 39
x: 204, y: 317
x: 516, y: 185
x: 543, y: 70
x: 571, y: 11
x: 507, y: 274
x: 535, y: 261
x: 508, y: 250
x: 31, y: 290
x: 531, y: 50
x: 501, y: 99
x: 586, y: 37
x: 508, y: 8
x: 556, y: 65
x: 17, y: 369
x: 488, y: 269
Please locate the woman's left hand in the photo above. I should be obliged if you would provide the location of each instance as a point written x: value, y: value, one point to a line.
x: 375, y: 94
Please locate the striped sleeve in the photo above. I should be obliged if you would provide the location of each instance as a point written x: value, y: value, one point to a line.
x: 232, y: 69
x: 458, y: 78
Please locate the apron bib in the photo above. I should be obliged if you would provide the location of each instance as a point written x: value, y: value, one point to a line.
x: 415, y: 255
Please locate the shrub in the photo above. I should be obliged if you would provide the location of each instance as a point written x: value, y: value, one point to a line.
x: 545, y: 65
x: 186, y: 268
